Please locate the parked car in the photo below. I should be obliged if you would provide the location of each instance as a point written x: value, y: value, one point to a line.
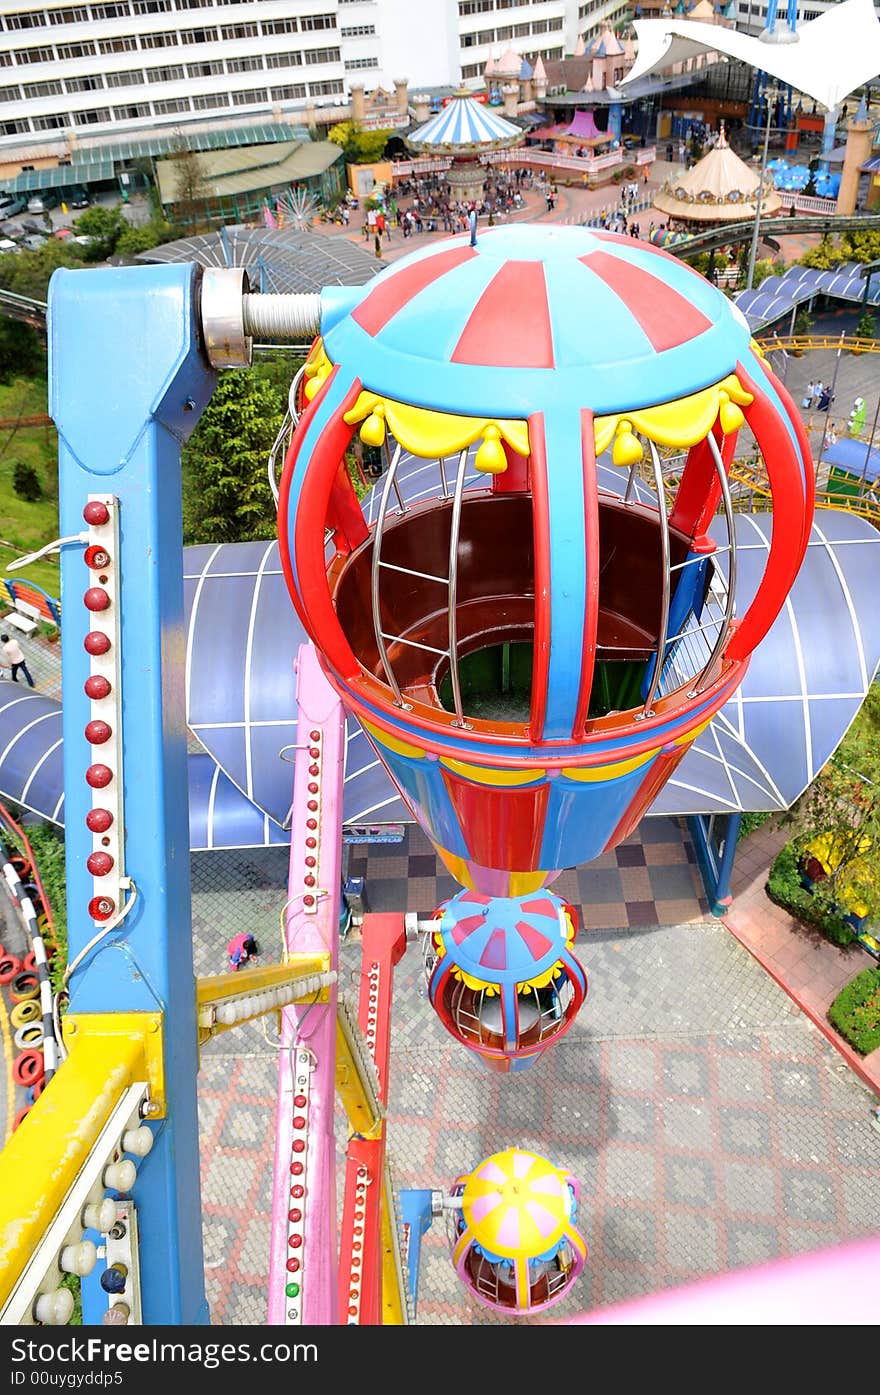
x: 78, y: 199
x: 10, y: 204
x: 33, y: 241
x: 41, y: 203
x: 7, y: 245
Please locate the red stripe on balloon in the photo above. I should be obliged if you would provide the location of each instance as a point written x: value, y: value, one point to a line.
x: 537, y: 944
x: 509, y: 327
x: 501, y: 827
x: 393, y: 292
x: 666, y: 317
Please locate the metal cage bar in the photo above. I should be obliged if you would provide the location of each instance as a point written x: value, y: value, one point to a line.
x: 375, y: 571
x: 665, y: 587
x: 731, y: 578
x: 454, y: 530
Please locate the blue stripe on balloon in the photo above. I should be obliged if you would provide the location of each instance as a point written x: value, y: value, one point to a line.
x: 609, y: 333
x: 568, y: 579
x: 446, y: 315
x: 329, y: 406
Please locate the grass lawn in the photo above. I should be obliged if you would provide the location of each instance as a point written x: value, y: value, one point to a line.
x: 25, y: 526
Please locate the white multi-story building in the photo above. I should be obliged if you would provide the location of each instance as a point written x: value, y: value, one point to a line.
x: 75, y: 73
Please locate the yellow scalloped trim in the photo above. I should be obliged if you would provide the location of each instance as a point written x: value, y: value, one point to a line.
x: 317, y: 369
x: 429, y: 434
x: 491, y: 989
x: 681, y: 423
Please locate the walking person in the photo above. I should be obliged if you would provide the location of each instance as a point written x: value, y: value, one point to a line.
x: 13, y: 656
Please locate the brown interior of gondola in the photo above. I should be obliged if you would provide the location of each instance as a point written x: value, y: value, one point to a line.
x: 496, y: 598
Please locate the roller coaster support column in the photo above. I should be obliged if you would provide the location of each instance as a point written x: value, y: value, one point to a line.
x: 128, y: 381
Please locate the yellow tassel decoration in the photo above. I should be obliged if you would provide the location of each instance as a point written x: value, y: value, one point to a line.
x: 490, y: 457
x: 372, y: 432
x: 729, y: 415
x: 627, y: 448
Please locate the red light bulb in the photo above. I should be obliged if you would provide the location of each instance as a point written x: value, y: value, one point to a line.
x: 96, y: 598
x: 96, y: 687
x: 96, y: 643
x: 97, y: 733
x: 99, y: 864
x: 96, y: 513
x: 99, y: 820
x: 99, y: 776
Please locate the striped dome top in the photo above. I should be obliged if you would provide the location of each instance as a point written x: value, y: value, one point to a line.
x: 464, y: 122
x: 535, y: 317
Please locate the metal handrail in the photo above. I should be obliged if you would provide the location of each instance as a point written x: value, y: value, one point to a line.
x: 731, y: 576
x: 665, y: 590
x: 454, y: 529
x: 374, y: 577
x: 291, y: 398
x: 286, y: 428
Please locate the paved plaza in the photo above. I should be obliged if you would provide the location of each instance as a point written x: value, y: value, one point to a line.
x: 708, y: 1122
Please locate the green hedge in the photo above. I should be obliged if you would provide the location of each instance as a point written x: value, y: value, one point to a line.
x: 855, y: 1012
x: 784, y: 887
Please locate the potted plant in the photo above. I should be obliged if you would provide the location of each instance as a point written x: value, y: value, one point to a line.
x: 803, y: 323
x: 866, y: 327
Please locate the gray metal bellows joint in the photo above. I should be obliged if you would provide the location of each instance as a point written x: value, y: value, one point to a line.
x: 232, y: 317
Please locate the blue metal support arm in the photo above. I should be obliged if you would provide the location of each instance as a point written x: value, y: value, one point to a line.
x: 128, y: 381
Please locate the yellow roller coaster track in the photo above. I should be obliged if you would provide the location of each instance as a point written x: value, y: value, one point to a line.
x: 801, y: 343
x: 756, y: 483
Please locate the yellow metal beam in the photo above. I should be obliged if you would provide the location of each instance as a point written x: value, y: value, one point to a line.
x: 108, y: 1053
x: 218, y: 987
x: 354, y: 1089
x: 250, y: 992
x: 393, y: 1303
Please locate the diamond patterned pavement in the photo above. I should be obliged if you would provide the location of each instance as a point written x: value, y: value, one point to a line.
x: 709, y: 1123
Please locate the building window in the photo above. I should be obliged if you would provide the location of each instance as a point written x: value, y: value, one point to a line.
x: 506, y: 32
x: 309, y: 22
x: 198, y: 36
x: 471, y: 70
x: 50, y: 123
x: 25, y: 21
x: 131, y: 77
x: 82, y: 50
x: 194, y: 4
x: 322, y: 55
x: 280, y: 26
x: 284, y: 60
x: 167, y: 39
x: 5, y: 58
x: 12, y: 94
x: 152, y: 7
x: 13, y: 128
x: 112, y: 11
x: 325, y: 89
x: 92, y: 118
x: 170, y: 105
x: 292, y: 92
x: 132, y: 113
x: 244, y: 65
x: 34, y: 55
x: 41, y: 89
x: 357, y: 31
x: 200, y: 70
x: 479, y: 7
x: 126, y: 44
x: 211, y: 99
x: 85, y: 84
x: 521, y: 30
x: 250, y: 97
x: 352, y: 63
x: 79, y: 15
x: 240, y: 31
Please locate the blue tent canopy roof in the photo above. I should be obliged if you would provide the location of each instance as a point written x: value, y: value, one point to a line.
x: 854, y: 457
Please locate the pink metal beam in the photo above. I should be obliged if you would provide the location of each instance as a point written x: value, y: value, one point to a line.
x: 303, y: 1259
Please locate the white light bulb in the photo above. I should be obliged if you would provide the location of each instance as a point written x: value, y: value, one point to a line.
x: 99, y: 1215
x: 54, y: 1309
x: 120, y: 1176
x: 78, y: 1259
x: 138, y: 1141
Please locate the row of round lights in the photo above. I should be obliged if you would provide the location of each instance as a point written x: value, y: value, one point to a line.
x: 296, y: 1201
x: 356, y: 1276
x: 54, y: 1308
x: 310, y: 876
x: 98, y: 687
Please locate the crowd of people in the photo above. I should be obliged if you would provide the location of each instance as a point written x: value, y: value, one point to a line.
x: 432, y: 207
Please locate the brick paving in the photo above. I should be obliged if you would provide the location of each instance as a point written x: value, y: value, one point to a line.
x: 708, y: 1121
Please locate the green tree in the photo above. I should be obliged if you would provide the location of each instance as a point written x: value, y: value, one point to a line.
x: 26, y: 481
x: 189, y: 190
x: 843, y: 803
x: 135, y: 240
x: 226, y: 494
x: 104, y: 226
x: 21, y: 353
x: 29, y: 273
x: 359, y: 147
x: 826, y: 254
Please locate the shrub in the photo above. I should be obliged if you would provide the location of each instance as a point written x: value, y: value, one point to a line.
x: 750, y: 822
x: 784, y: 887
x: 26, y: 482
x: 866, y: 326
x: 855, y: 1012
